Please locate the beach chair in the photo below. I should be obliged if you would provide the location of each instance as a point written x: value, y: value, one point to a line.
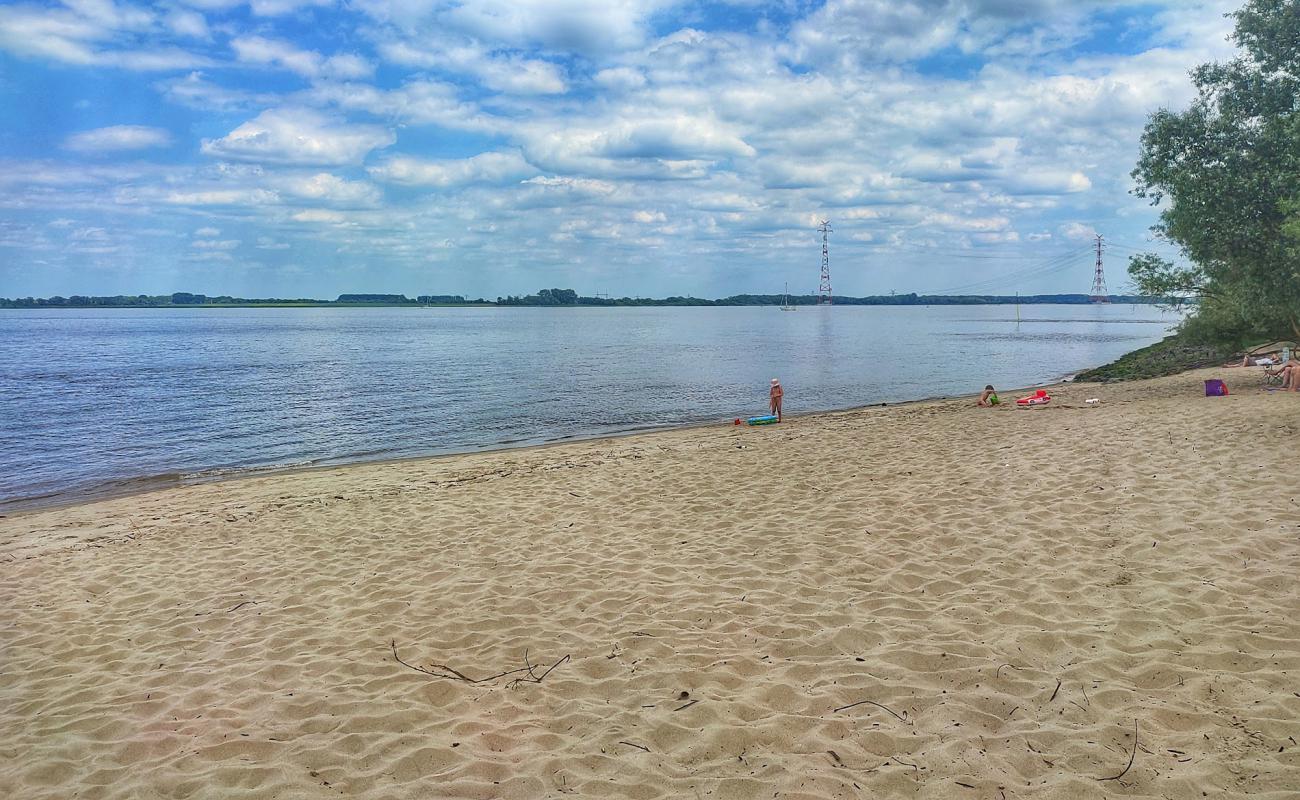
x: 1287, y: 353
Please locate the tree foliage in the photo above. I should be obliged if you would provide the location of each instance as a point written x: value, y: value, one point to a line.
x: 1227, y: 172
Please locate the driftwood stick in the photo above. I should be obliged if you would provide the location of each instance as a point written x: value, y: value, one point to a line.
x: 455, y: 673
x: 871, y: 703
x: 241, y: 605
x: 916, y: 774
x: 553, y: 666
x: 1054, y: 691
x: 633, y: 744
x: 688, y: 705
x: 1131, y: 756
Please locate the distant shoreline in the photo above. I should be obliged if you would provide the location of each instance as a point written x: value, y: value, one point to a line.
x: 923, y: 301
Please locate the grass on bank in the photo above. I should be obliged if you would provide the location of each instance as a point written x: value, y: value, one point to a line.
x: 1170, y: 356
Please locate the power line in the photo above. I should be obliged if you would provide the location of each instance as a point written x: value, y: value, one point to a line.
x: 1048, y: 267
x: 966, y: 254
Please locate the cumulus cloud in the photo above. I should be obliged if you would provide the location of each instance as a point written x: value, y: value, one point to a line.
x: 307, y: 63
x: 117, y: 138
x: 1078, y: 232
x: 328, y: 188
x: 418, y: 101
x: 589, y: 27
x: 492, y: 168
x: 90, y: 33
x: 320, y: 215
x: 508, y: 73
x: 221, y: 197
x: 299, y: 136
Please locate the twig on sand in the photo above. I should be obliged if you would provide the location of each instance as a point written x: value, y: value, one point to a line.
x: 871, y: 703
x: 1131, y: 756
x: 916, y: 774
x: 1054, y: 691
x: 688, y: 705
x: 241, y: 605
x: 632, y: 744
x: 451, y: 673
x: 542, y: 677
x: 998, y: 672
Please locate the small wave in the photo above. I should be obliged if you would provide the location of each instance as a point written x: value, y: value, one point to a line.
x: 226, y: 472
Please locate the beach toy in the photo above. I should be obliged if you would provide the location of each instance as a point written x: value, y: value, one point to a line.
x: 1036, y: 399
x: 1215, y: 388
x: 765, y: 420
x: 1092, y: 401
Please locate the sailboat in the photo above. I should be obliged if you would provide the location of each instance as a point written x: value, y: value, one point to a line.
x: 786, y: 305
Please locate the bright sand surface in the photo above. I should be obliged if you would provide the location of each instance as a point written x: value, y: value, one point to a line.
x: 922, y: 601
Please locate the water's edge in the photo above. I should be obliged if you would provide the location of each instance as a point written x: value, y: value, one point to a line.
x: 131, y: 487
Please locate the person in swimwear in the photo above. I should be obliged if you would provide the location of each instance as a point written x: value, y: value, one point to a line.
x: 774, y: 395
x: 989, y: 397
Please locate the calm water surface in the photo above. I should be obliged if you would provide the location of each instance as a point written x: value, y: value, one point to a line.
x: 99, y: 401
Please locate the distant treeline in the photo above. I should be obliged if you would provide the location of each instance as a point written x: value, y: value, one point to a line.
x: 548, y: 297
x: 188, y: 299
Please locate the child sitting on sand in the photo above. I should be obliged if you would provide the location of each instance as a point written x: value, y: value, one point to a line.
x: 775, y: 395
x: 989, y: 397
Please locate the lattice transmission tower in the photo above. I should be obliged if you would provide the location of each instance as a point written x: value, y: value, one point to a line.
x: 824, y: 290
x: 1098, y: 294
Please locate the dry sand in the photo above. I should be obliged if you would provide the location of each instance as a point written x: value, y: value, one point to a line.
x: 1005, y: 594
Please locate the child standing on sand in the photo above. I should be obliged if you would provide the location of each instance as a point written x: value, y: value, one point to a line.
x: 775, y: 395
x: 989, y: 398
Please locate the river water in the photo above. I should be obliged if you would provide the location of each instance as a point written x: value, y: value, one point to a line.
x: 107, y: 400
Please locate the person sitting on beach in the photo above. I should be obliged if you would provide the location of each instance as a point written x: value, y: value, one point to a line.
x: 1265, y: 360
x: 1290, y: 373
x: 989, y: 397
x: 775, y: 395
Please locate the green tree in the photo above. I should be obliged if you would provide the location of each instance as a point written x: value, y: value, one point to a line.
x: 1227, y: 172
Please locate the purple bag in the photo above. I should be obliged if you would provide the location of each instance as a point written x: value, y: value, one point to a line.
x: 1215, y: 388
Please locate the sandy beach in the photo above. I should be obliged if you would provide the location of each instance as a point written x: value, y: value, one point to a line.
x: 921, y: 601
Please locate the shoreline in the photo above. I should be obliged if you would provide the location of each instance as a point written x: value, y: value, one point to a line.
x: 147, y: 484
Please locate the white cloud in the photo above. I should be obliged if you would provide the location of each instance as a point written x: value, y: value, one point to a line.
x: 1078, y: 232
x: 84, y: 33
x: 620, y: 78
x: 588, y: 27
x: 307, y: 63
x: 324, y: 187
x: 214, y: 244
x: 184, y: 22
x: 208, y: 233
x: 275, y: 8
x: 299, y: 136
x: 509, y: 74
x: 320, y: 215
x: 418, y: 101
x: 117, y: 138
x: 494, y: 168
x: 221, y: 197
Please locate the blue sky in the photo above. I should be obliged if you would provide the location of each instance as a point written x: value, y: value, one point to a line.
x: 312, y: 147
